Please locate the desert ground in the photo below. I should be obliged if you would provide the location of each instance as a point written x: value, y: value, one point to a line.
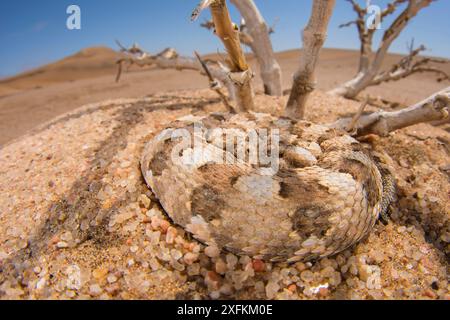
x: 77, y: 220
x: 35, y: 97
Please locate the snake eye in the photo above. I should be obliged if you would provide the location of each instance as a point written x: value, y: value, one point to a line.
x: 236, y: 27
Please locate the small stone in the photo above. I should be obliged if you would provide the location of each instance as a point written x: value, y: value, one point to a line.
x: 41, y: 284
x: 62, y: 245
x: 221, y: 267
x: 259, y: 265
x: 272, y: 289
x: 171, y: 235
x: 212, y: 252
x: 95, y: 290
x: 176, y: 254
x: 112, y: 278
x: 164, y: 226
x: 145, y: 201
x: 430, y: 294
x: 212, y: 280
x: 100, y: 273
x: 324, y: 292
x: 292, y: 288
x: 307, y: 276
x: 190, y: 258
x: 232, y: 260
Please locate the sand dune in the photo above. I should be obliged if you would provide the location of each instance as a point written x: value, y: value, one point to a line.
x: 34, y: 97
x: 88, y: 63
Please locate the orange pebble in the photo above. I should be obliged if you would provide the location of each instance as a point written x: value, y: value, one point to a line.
x: 259, y: 265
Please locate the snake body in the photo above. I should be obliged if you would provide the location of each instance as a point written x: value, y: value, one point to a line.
x: 326, y: 195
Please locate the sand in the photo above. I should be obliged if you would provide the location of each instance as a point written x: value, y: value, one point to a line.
x: 35, y: 97
x: 78, y: 222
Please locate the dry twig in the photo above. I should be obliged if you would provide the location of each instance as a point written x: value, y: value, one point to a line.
x: 435, y: 108
x: 170, y: 59
x: 214, y: 84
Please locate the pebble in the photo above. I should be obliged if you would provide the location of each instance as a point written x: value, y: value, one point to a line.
x: 259, y: 265
x: 145, y: 201
x: 95, y: 290
x: 171, y: 235
x: 307, y: 276
x: 272, y: 289
x: 221, y: 267
x: 112, y: 278
x: 165, y: 256
x: 100, y: 273
x: 212, y: 280
x: 62, y: 245
x: 212, y: 251
x: 41, y: 284
x: 190, y: 258
x: 231, y: 260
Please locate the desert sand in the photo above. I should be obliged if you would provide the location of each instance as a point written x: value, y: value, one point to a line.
x: 78, y: 222
x: 30, y: 99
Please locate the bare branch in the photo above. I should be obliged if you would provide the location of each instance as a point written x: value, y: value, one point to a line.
x: 239, y: 71
x: 256, y: 34
x: 352, y: 127
x: 348, y: 24
x: 410, y: 65
x: 170, y: 59
x: 435, y: 108
x: 369, y: 73
x: 314, y: 37
x: 214, y: 84
x: 245, y: 38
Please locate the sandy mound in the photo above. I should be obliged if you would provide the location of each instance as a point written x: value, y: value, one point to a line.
x: 77, y: 221
x: 88, y: 63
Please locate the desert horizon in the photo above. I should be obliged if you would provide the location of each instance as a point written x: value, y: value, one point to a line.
x: 36, y: 96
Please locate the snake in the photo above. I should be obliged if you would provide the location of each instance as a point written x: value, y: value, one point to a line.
x: 323, y: 192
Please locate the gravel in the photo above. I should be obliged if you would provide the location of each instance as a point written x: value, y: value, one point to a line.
x: 77, y: 221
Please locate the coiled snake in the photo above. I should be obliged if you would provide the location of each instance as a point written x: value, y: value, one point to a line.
x: 325, y: 195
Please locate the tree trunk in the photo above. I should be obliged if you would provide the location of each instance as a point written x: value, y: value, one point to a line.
x: 240, y: 75
x: 314, y: 37
x: 261, y: 45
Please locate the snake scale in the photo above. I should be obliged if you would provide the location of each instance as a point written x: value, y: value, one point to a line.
x: 326, y: 195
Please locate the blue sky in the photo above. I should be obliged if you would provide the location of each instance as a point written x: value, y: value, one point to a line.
x: 33, y: 33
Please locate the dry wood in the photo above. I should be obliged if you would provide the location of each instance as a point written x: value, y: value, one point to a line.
x: 214, y: 84
x: 169, y: 59
x: 435, y: 108
x: 314, y: 37
x: 369, y: 72
x: 256, y: 33
x: 239, y: 71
